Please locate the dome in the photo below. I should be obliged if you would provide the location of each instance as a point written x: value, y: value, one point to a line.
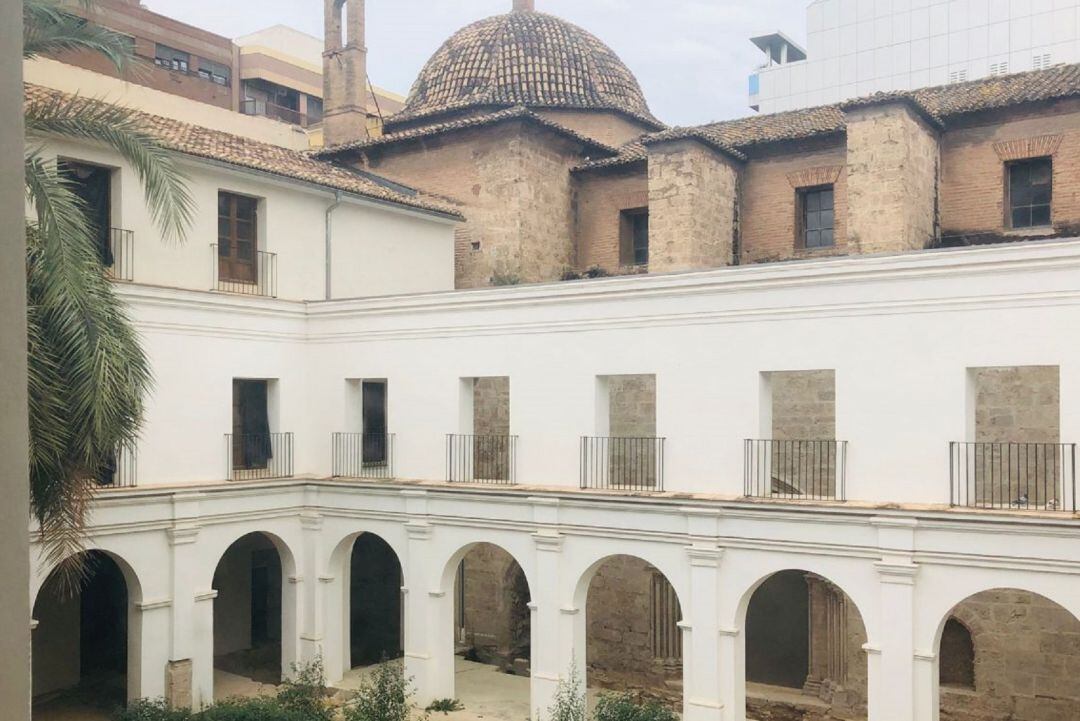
x: 525, y: 58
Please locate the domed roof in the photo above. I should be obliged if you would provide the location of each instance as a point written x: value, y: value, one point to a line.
x: 525, y: 58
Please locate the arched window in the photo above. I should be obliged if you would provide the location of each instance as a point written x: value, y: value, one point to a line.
x: 956, y: 665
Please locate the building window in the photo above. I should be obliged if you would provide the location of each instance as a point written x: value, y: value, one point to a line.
x: 817, y: 217
x: 666, y: 636
x: 956, y: 662
x: 634, y: 237
x: 251, y: 424
x: 1030, y: 183
x: 215, y: 72
x: 237, y: 237
x: 1001, y: 68
x: 172, y: 58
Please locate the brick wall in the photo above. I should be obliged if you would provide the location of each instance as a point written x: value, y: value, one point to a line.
x: 608, y: 128
x: 601, y: 196
x: 769, y: 205
x: 973, y: 172
x: 892, y: 167
x: 692, y: 195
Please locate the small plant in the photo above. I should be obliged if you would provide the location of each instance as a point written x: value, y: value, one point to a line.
x: 500, y: 277
x: 596, y: 271
x: 626, y: 707
x: 386, y: 695
x: 305, y: 692
x: 151, y: 710
x: 570, y: 274
x: 569, y: 701
x: 444, y: 705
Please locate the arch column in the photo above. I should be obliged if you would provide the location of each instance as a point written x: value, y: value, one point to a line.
x: 550, y: 659
x: 732, y: 674
x: 703, y: 697
x: 202, y: 638
x: 149, y: 625
x: 891, y: 662
x: 183, y: 633
x: 312, y: 589
x: 927, y: 697
x: 429, y: 610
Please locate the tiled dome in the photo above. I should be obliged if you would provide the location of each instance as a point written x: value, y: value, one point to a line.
x: 525, y: 58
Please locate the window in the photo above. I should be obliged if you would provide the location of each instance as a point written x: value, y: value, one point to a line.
x: 817, y: 217
x: 172, y: 58
x: 214, y: 72
x: 634, y: 237
x: 251, y: 424
x: 1040, y: 61
x: 373, y: 413
x: 1001, y: 68
x: 958, y: 76
x: 93, y: 185
x: 1030, y: 184
x: 237, y: 237
x: 956, y: 663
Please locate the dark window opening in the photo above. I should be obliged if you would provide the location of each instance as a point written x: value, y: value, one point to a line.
x: 92, y: 184
x: 778, y: 631
x: 215, y: 72
x: 251, y: 425
x: 171, y: 58
x: 237, y: 238
x: 956, y: 662
x: 817, y: 217
x: 373, y: 400
x: 1030, y: 190
x: 634, y: 237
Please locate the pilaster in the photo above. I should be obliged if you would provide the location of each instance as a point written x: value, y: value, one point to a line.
x: 891, y: 661
x: 429, y: 609
x: 703, y: 698
x: 311, y: 590
x: 550, y: 658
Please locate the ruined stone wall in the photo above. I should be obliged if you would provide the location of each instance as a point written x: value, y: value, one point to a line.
x: 769, y: 200
x: 892, y: 168
x: 692, y: 198
x: 632, y: 405
x: 496, y: 614
x: 973, y: 177
x: 803, y: 405
x: 609, y: 128
x: 601, y: 198
x: 491, y: 405
x: 1019, y: 404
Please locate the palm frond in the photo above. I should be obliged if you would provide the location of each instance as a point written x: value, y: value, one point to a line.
x: 164, y: 184
x: 50, y: 29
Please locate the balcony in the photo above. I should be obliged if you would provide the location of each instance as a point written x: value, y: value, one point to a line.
x: 259, y: 456
x: 1013, y: 476
x: 622, y: 463
x: 363, y: 455
x: 119, y: 259
x: 252, y: 276
x: 483, y: 459
x: 263, y: 109
x: 795, y: 469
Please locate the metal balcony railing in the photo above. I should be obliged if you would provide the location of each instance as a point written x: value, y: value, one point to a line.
x: 257, y: 456
x: 796, y: 469
x: 363, y: 455
x: 122, y: 469
x: 490, y: 459
x: 622, y: 463
x: 121, y: 261
x: 257, y: 278
x: 264, y: 109
x: 1022, y: 476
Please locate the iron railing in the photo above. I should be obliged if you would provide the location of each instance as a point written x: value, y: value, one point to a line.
x: 121, y: 470
x: 481, y: 459
x: 1023, y: 476
x: 121, y: 264
x: 363, y: 455
x: 622, y: 463
x: 796, y: 469
x: 273, y: 111
x: 261, y: 281
x: 257, y: 456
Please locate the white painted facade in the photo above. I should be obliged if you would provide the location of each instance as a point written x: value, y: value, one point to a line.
x: 858, y: 47
x: 900, y: 332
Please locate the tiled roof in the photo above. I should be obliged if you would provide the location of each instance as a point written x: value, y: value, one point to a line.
x: 475, y: 121
x: 525, y: 58
x: 938, y: 104
x: 243, y: 152
x: 631, y: 152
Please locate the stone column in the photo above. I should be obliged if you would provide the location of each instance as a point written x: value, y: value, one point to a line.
x: 185, y: 643
x: 927, y: 692
x: 149, y: 622
x: 891, y: 667
x: 892, y: 176
x: 429, y: 610
x: 693, y: 192
x: 202, y: 634
x: 550, y: 660
x: 312, y: 624
x: 732, y: 661
x: 703, y: 698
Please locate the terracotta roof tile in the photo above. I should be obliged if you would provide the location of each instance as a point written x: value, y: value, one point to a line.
x: 243, y: 152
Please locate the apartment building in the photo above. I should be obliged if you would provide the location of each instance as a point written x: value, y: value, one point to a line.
x: 858, y: 47
x: 809, y: 453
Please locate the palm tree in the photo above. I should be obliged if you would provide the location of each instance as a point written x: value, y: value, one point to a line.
x: 88, y: 375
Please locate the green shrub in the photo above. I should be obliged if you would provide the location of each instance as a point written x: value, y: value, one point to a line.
x: 444, y: 705
x: 626, y: 707
x: 385, y: 695
x: 151, y: 710
x: 305, y: 692
x: 569, y: 701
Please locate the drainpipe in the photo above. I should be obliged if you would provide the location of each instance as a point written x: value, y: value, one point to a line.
x: 330, y: 237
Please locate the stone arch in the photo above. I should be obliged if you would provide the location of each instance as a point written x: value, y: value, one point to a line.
x: 1025, y: 646
x: 92, y: 634
x: 956, y: 657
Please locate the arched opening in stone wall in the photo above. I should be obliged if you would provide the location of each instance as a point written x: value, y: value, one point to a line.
x: 248, y: 617
x: 375, y: 623
x: 1025, y: 657
x: 633, y: 639
x: 804, y: 650
x: 80, y: 643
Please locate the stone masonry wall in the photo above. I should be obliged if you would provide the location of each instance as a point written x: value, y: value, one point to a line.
x: 769, y: 203
x: 632, y: 405
x: 692, y: 198
x: 491, y: 406
x: 803, y: 405
x: 496, y: 613
x: 601, y: 197
x: 892, y: 168
x: 1019, y: 404
x: 973, y: 156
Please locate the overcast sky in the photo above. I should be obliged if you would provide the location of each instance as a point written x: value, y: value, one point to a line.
x: 692, y: 57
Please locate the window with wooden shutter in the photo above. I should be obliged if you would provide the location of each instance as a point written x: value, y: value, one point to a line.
x: 237, y: 238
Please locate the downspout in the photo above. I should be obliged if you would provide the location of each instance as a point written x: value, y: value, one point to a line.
x: 330, y: 238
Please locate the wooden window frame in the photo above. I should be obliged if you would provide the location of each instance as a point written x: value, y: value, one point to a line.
x: 1010, y: 209
x: 801, y: 216
x: 628, y: 251
x: 232, y: 267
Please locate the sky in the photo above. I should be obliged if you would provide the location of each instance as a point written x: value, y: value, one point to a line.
x: 692, y: 57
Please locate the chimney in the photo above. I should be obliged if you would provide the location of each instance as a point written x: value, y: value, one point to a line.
x: 524, y: 6
x: 344, y: 73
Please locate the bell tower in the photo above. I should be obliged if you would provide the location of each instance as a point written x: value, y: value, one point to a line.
x: 344, y: 73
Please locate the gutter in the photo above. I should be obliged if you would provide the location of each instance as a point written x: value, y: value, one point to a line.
x: 330, y: 238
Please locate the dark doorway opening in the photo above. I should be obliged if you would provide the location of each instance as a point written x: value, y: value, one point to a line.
x: 93, y: 185
x: 375, y: 631
x: 778, y: 631
x: 373, y: 401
